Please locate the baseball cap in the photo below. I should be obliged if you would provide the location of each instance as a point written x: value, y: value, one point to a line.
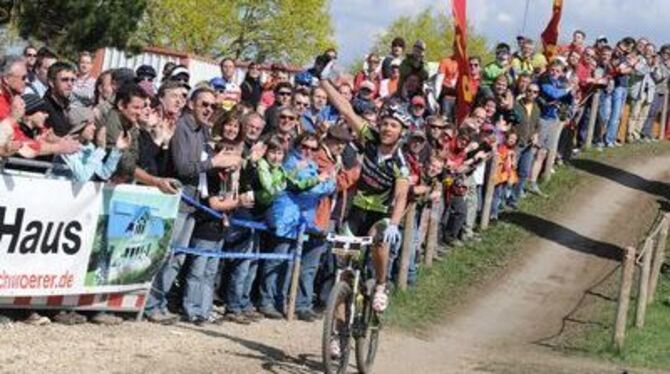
x: 79, y: 117
x: 34, y: 104
x: 145, y: 71
x: 218, y: 83
x: 602, y: 38
x: 420, y: 44
x: 418, y: 134
x: 179, y: 70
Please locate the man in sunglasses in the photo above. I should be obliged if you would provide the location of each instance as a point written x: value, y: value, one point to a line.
x: 192, y: 158
x: 30, y: 54
x: 12, y: 84
x: 61, y: 78
x: 283, y: 92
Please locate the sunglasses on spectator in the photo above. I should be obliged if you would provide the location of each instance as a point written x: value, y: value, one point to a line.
x: 31, y: 55
x: 290, y: 118
x: 206, y: 104
x: 433, y: 126
x: 284, y: 93
x: 68, y: 80
x: 147, y: 78
x: 308, y: 148
x: 302, y: 104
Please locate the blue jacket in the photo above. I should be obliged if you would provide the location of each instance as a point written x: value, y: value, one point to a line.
x: 552, y: 92
x: 309, y: 121
x: 298, y: 203
x: 306, y: 78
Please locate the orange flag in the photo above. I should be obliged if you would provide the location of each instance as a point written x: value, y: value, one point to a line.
x: 550, y: 34
x: 464, y: 94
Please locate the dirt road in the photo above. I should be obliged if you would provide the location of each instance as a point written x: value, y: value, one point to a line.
x: 498, y: 332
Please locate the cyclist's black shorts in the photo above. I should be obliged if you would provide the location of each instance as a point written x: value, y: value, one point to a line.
x: 360, y: 221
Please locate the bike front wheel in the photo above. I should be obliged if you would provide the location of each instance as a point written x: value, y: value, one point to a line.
x: 368, y: 341
x: 336, y: 338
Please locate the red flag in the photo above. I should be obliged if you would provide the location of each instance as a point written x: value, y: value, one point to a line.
x: 550, y: 34
x: 464, y: 94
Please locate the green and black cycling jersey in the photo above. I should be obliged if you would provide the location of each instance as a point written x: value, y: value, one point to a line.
x: 379, y: 173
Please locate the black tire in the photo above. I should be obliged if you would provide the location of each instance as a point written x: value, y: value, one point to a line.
x: 333, y: 329
x: 368, y: 341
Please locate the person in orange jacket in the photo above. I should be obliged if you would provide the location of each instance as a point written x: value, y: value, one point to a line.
x: 506, y: 175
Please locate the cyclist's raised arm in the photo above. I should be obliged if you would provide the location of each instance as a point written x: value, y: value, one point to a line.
x: 399, y: 200
x: 340, y: 103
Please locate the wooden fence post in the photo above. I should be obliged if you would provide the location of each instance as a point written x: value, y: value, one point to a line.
x: 643, y: 283
x: 295, y: 275
x: 627, y: 271
x: 595, y: 101
x: 433, y: 229
x: 489, y: 189
x: 407, y: 245
x: 664, y: 116
x: 659, y: 257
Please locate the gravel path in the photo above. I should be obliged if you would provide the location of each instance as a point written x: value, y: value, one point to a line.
x: 495, y: 333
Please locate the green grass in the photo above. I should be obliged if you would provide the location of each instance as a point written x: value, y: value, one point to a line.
x: 647, y: 347
x: 443, y: 287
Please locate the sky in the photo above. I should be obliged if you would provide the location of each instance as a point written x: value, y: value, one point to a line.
x: 358, y: 21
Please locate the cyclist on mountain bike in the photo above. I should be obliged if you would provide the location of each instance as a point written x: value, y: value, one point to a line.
x: 381, y: 197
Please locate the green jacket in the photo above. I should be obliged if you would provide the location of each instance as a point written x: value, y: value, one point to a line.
x: 272, y: 181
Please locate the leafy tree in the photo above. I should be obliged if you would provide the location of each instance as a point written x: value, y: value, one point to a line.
x: 71, y: 26
x: 291, y: 31
x: 436, y: 29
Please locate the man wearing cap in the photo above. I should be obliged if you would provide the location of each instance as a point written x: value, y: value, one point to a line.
x: 83, y: 91
x: 414, y: 63
x: 501, y: 65
x: 89, y: 161
x: 145, y: 75
x: 397, y: 49
x: 32, y: 135
x: 180, y: 74
x: 61, y: 77
x: 417, y: 112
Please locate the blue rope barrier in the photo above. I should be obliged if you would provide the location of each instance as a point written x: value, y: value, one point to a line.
x: 218, y: 215
x: 236, y: 256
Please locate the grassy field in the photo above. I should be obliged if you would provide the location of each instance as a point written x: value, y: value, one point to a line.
x: 442, y: 288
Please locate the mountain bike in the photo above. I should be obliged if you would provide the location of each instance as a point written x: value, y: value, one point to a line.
x: 349, y: 315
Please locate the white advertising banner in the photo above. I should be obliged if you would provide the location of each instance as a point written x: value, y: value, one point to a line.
x: 64, y: 238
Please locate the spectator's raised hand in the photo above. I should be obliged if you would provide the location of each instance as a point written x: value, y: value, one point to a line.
x: 68, y: 145
x: 123, y: 141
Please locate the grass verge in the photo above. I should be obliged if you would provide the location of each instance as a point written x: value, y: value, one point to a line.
x: 443, y: 287
x: 647, y: 347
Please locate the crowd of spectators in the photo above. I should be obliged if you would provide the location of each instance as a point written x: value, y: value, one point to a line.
x: 335, y: 152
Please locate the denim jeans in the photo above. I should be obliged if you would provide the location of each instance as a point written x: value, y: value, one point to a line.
x: 499, y: 194
x: 654, y: 110
x: 604, y: 113
x: 275, y: 275
x: 240, y: 273
x: 199, y: 290
x: 618, y: 101
x: 312, y: 252
x: 181, y: 237
x: 524, y: 165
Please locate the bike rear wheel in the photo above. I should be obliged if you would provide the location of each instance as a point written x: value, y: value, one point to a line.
x: 368, y: 341
x: 336, y: 328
